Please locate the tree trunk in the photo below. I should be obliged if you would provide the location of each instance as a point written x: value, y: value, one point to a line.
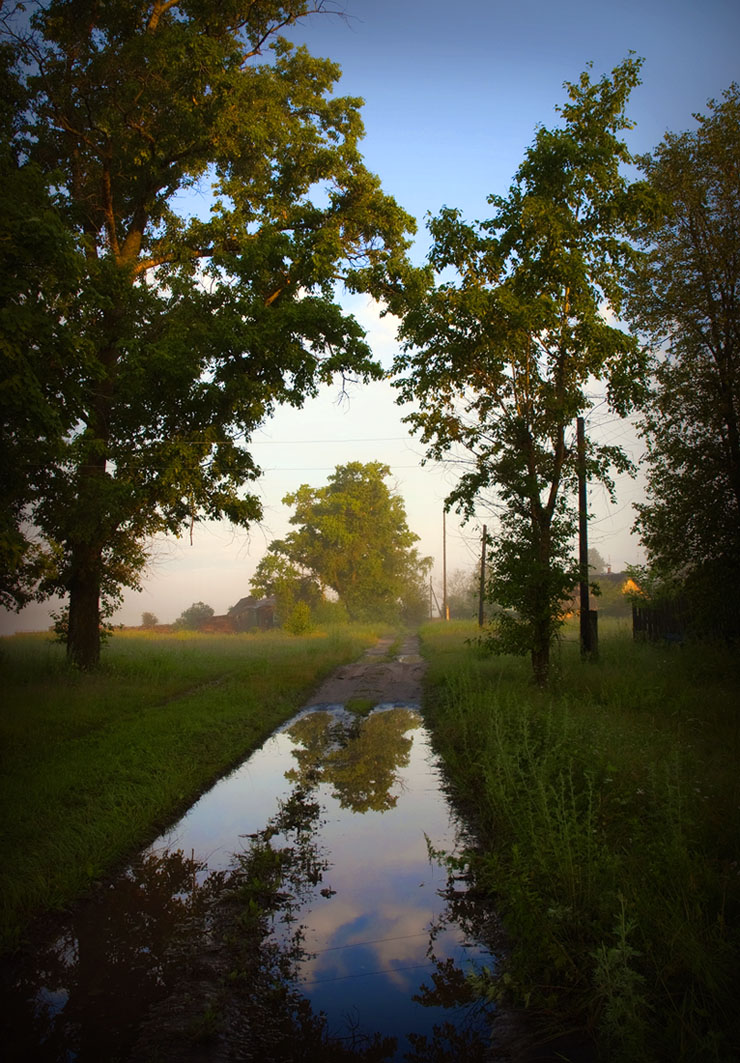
x: 93, y: 500
x: 83, y: 635
x: 540, y: 653
x: 727, y: 385
x: 542, y: 605
x: 541, y: 661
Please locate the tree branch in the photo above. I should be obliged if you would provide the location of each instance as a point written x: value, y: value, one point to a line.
x: 271, y: 298
x: 162, y: 260
x: 161, y: 7
x: 110, y: 217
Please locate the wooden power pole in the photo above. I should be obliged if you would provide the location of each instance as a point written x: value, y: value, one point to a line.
x: 445, y: 606
x: 589, y: 635
x: 482, y: 590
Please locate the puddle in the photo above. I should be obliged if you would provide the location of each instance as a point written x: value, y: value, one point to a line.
x: 294, y: 913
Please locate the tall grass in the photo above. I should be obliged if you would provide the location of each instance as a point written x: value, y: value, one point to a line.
x: 94, y: 765
x: 608, y: 810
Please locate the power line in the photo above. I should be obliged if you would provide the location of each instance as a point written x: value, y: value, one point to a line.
x: 371, y: 941
x: 361, y: 439
x: 366, y: 974
x: 326, y: 468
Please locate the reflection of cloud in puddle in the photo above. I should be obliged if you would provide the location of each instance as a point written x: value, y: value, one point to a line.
x: 369, y: 941
x: 351, y: 941
x: 372, y: 875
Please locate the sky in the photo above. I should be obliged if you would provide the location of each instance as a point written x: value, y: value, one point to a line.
x: 453, y: 95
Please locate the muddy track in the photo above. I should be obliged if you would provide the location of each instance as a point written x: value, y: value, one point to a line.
x: 381, y: 676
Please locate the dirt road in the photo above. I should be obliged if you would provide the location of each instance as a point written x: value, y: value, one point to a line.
x: 381, y: 676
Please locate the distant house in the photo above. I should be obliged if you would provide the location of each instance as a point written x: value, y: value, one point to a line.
x: 249, y: 614
x: 612, y: 600
x: 253, y: 614
x: 217, y: 625
x: 630, y: 587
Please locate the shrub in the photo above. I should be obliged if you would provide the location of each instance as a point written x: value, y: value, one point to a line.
x: 299, y: 620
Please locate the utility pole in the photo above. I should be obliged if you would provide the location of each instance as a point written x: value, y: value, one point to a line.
x: 482, y: 590
x: 589, y: 631
x: 433, y: 595
x: 445, y: 606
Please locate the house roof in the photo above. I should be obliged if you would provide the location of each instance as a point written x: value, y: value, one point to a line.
x: 250, y: 602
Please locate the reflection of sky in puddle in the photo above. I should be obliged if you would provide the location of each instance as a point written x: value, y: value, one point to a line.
x: 356, y: 801
x: 368, y: 940
x: 238, y: 805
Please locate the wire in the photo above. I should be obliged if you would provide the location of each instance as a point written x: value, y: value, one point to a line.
x: 362, y: 439
x: 371, y: 941
x: 326, y: 468
x: 365, y: 974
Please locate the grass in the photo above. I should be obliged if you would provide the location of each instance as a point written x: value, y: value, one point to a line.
x: 360, y: 706
x: 95, y: 765
x: 608, y: 811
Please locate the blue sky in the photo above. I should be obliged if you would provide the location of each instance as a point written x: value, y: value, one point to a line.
x: 453, y: 94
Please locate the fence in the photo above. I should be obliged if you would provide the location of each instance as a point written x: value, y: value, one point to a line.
x: 669, y: 621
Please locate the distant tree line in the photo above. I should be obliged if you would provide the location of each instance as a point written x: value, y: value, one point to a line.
x: 350, y: 557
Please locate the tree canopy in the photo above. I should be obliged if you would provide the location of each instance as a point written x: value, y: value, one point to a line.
x: 171, y: 336
x: 352, y: 536
x: 40, y: 360
x: 505, y: 332
x: 195, y: 615
x: 686, y: 300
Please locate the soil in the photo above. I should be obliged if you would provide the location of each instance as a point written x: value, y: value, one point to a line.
x: 386, y: 673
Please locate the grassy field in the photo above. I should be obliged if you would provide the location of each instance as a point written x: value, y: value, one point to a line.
x: 94, y: 765
x: 608, y: 811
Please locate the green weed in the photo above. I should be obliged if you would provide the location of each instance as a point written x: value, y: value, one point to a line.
x: 607, y: 809
x: 360, y: 706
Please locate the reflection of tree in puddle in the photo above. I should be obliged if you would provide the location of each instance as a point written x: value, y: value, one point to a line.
x: 451, y: 987
x: 466, y: 1039
x: 175, y: 964
x: 112, y: 958
x: 360, y: 760
x: 168, y: 965
x: 244, y: 997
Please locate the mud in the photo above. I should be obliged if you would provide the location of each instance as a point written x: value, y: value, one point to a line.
x: 385, y: 673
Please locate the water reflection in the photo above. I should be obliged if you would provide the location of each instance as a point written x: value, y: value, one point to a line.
x: 359, y: 759
x: 330, y: 933
x: 108, y: 963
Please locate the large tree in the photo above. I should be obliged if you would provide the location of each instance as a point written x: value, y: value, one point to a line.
x: 352, y: 536
x: 186, y: 331
x: 39, y: 357
x: 506, y: 333
x: 686, y: 299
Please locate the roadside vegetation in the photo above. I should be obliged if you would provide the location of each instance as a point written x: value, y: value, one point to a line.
x: 607, y: 808
x: 95, y: 765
